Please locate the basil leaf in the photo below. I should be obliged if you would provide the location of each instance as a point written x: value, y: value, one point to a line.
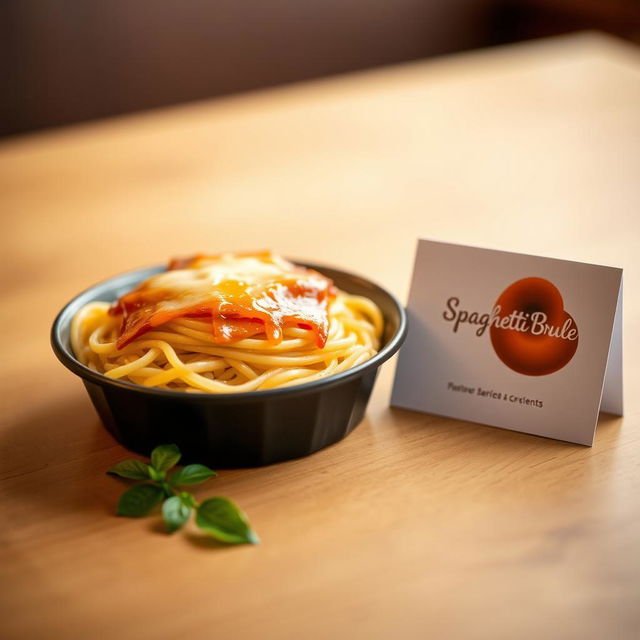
x: 223, y: 520
x: 188, y: 499
x: 191, y: 474
x: 165, y: 456
x: 133, y: 469
x: 168, y: 491
x: 139, y: 500
x: 156, y: 476
x: 175, y: 513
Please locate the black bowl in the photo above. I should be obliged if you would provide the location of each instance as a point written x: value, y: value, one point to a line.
x: 237, y: 429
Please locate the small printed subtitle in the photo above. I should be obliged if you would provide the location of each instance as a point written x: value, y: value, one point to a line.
x: 491, y: 394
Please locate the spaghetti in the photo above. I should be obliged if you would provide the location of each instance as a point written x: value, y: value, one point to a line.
x: 228, y: 324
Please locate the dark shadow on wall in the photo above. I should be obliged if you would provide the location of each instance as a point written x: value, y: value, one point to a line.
x: 66, y: 61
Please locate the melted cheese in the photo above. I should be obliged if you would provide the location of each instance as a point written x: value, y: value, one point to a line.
x: 243, y: 294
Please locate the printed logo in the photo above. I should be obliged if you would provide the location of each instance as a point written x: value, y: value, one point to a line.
x: 530, y: 330
x: 535, y: 335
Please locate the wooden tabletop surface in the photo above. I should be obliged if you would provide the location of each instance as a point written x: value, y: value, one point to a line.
x: 414, y: 526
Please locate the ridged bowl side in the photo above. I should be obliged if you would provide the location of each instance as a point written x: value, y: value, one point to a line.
x: 234, y: 430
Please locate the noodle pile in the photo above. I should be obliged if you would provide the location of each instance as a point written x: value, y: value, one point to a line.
x: 182, y: 355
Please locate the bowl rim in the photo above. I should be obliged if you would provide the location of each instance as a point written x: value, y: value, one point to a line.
x: 67, y: 358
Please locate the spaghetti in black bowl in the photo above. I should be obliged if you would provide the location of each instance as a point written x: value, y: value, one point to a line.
x: 209, y: 377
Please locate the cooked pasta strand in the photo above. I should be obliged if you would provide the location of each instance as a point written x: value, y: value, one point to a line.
x: 182, y: 354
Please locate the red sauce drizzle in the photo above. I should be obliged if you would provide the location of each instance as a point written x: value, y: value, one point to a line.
x: 299, y: 297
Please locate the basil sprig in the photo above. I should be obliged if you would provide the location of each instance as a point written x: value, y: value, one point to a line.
x: 219, y: 517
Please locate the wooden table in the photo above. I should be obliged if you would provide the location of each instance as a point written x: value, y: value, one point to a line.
x: 414, y: 526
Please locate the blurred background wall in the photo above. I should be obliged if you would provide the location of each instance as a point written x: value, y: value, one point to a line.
x: 66, y: 61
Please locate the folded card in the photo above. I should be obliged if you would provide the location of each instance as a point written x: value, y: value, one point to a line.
x: 515, y: 341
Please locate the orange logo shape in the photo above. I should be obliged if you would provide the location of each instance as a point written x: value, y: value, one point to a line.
x: 532, y: 333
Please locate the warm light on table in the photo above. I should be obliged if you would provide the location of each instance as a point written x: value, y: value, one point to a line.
x: 414, y: 526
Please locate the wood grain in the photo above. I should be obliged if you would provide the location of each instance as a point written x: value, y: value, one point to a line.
x: 414, y: 526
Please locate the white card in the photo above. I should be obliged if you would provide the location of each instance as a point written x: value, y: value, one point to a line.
x: 515, y: 341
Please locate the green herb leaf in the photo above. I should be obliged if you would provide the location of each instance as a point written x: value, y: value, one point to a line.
x: 165, y: 456
x: 218, y: 516
x: 175, y: 513
x: 223, y: 520
x: 168, y: 491
x: 132, y: 469
x: 191, y: 474
x: 139, y: 500
x: 188, y: 499
x: 156, y: 476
